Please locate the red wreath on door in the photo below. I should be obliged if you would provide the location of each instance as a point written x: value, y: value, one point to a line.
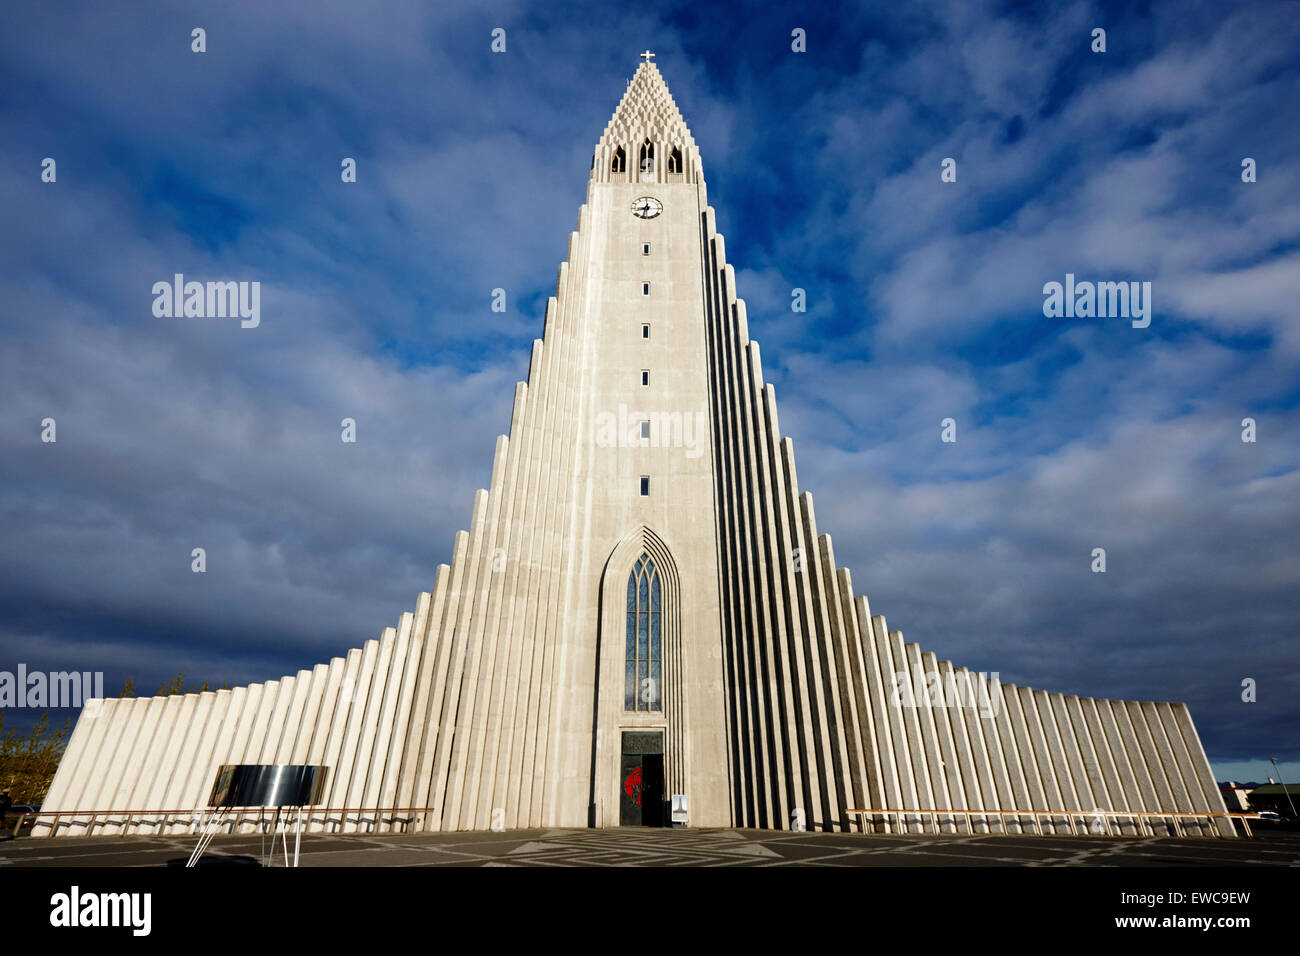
x: 632, y: 785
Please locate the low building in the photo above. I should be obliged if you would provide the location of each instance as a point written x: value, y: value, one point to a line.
x: 1280, y: 798
x: 1235, y: 796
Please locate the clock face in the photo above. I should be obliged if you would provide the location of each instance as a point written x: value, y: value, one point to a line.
x: 647, y: 207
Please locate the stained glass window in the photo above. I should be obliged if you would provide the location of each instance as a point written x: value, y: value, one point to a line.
x: 643, y: 655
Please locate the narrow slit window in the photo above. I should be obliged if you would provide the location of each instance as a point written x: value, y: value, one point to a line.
x: 645, y: 288
x: 645, y: 486
x: 645, y: 248
x: 645, y: 331
x: 645, y: 376
x: 645, y: 429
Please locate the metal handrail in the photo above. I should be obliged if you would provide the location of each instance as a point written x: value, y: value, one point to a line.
x: 237, y: 816
x: 240, y: 816
x: 1069, y: 815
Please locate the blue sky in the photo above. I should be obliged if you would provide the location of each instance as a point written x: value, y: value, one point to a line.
x: 924, y: 302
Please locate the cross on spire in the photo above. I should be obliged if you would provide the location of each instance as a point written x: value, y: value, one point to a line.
x: 647, y: 56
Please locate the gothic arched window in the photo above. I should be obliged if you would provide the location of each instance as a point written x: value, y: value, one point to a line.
x: 675, y: 160
x: 643, y: 660
x: 647, y: 157
x: 619, y: 165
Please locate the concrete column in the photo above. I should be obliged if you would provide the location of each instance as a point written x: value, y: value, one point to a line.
x: 1090, y: 779
x: 872, y: 788
x: 826, y: 682
x: 925, y: 796
x: 424, y: 722
x: 897, y: 688
x: 313, y: 685
x: 962, y: 705
x: 463, y: 789
x: 1108, y: 763
x: 880, y: 709
x: 772, y: 571
x: 161, y: 762
x: 749, y: 598
x: 1200, y: 766
x: 1028, y: 756
x: 186, y: 757
x: 789, y: 784
x: 1137, y: 795
x: 1150, y: 757
x: 203, y: 772
x: 775, y: 797
x: 1058, y: 783
x: 125, y: 773
x: 378, y: 768
x: 344, y: 797
x: 322, y: 749
x: 1143, y: 789
x: 935, y: 759
x: 1169, y: 763
x: 445, y: 781
x: 428, y: 789
x: 395, y: 746
x: 349, y: 698
x: 1004, y: 759
x: 105, y: 737
x: 852, y: 790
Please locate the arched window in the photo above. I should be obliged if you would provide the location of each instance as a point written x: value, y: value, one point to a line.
x: 643, y: 660
x: 619, y: 165
x: 675, y: 160
x: 647, y: 157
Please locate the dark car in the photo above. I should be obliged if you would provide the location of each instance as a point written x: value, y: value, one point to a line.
x: 16, y: 817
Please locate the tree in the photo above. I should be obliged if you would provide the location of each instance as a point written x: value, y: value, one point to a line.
x: 28, y: 761
x: 176, y: 685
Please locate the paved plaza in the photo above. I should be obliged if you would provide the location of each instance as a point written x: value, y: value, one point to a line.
x: 648, y: 847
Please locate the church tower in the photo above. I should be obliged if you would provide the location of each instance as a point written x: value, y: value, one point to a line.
x: 643, y: 609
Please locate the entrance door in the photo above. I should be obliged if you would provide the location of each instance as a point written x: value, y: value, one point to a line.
x: 641, y: 800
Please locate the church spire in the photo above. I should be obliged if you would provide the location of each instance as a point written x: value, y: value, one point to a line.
x: 647, y: 140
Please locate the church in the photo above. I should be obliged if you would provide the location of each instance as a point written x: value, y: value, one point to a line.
x: 643, y: 622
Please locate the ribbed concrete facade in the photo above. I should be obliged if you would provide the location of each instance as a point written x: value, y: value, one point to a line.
x: 644, y: 442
